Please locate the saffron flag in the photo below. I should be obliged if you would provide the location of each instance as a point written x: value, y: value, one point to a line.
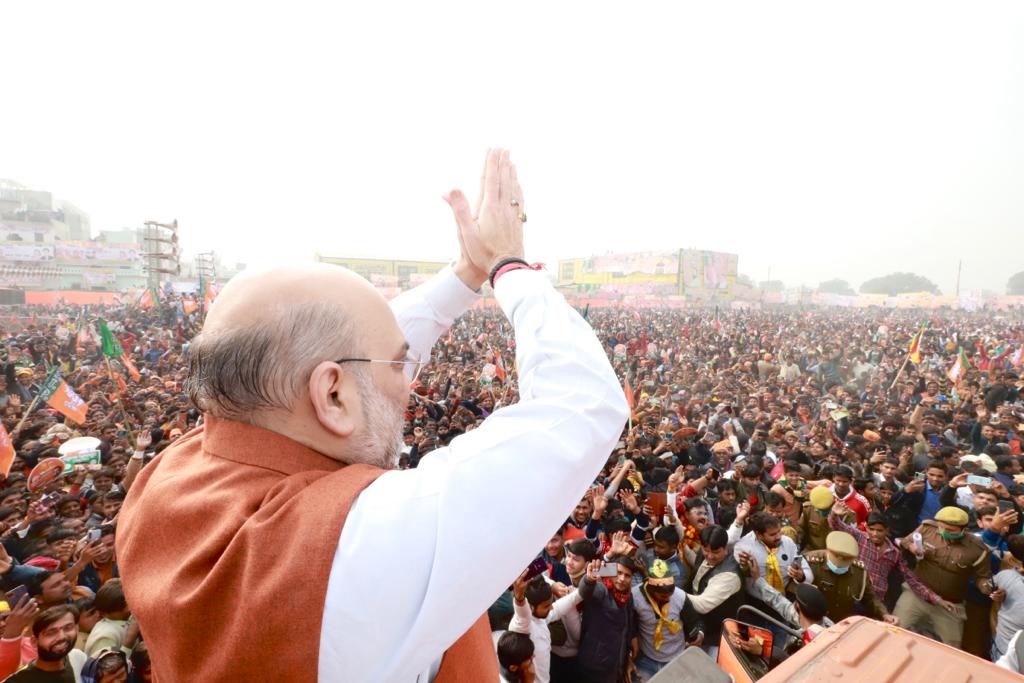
x: 61, y: 397
x: 960, y: 366
x: 628, y: 391
x: 208, y: 291
x: 914, y: 352
x: 149, y: 298
x: 129, y: 365
x: 6, y: 451
x: 189, y: 306
x: 499, y: 365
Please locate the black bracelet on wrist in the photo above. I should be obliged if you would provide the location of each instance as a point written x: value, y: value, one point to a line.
x: 501, y: 264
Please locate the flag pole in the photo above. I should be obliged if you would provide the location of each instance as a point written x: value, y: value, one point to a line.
x: 900, y: 373
x: 31, y: 407
x: 120, y: 404
x: 920, y: 338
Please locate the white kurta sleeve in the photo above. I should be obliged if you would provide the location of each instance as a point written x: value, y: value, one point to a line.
x: 521, y: 617
x: 424, y: 552
x: 424, y: 313
x: 1009, y: 659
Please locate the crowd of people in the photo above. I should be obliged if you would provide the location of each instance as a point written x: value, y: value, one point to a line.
x: 804, y: 463
x: 64, y: 615
x: 801, y: 462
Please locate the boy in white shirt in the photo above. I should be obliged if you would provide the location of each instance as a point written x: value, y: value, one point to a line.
x: 534, y: 610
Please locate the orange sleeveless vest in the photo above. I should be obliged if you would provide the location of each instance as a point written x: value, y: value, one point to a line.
x: 225, y: 544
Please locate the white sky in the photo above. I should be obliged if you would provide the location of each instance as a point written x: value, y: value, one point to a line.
x: 816, y: 139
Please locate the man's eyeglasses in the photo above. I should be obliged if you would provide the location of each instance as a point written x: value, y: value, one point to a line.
x: 413, y: 364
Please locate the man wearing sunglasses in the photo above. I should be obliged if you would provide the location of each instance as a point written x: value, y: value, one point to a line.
x: 288, y: 494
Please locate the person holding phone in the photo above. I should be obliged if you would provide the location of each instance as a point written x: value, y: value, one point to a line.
x: 303, y: 376
x: 54, y: 632
x: 534, y: 609
x: 947, y: 559
x: 608, y: 649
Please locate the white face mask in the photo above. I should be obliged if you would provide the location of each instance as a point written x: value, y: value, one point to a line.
x: 836, y: 569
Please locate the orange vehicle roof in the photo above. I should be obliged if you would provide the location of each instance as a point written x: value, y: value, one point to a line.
x: 861, y: 649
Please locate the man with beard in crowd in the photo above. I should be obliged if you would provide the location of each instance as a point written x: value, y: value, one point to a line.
x: 54, y: 633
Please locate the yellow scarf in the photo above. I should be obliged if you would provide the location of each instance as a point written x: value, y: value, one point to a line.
x: 663, y: 620
x: 774, y: 570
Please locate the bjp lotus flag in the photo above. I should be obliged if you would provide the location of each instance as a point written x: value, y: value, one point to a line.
x: 6, y: 451
x: 61, y: 397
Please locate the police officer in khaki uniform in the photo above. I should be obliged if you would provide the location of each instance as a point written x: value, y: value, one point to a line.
x: 842, y: 579
x: 814, y: 528
x: 947, y: 558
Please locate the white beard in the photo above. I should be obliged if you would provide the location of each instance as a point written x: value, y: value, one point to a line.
x: 379, y: 442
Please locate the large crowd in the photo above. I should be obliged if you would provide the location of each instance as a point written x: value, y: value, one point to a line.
x: 809, y: 464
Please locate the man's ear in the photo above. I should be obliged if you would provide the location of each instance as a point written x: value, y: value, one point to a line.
x: 334, y: 395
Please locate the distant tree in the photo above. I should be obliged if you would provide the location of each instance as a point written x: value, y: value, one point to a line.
x: 771, y: 285
x: 744, y: 280
x: 836, y: 286
x: 1015, y: 285
x: 898, y: 283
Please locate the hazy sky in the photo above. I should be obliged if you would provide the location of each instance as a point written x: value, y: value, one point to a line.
x: 815, y: 139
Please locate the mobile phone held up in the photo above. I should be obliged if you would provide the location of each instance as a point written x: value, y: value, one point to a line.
x: 95, y: 535
x: 15, y: 595
x: 984, y: 482
x: 608, y: 571
x: 536, y: 568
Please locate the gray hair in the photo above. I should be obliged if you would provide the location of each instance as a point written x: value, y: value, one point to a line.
x: 233, y: 373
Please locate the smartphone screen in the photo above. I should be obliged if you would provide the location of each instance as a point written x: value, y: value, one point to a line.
x: 1005, y: 505
x: 608, y: 571
x: 984, y: 482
